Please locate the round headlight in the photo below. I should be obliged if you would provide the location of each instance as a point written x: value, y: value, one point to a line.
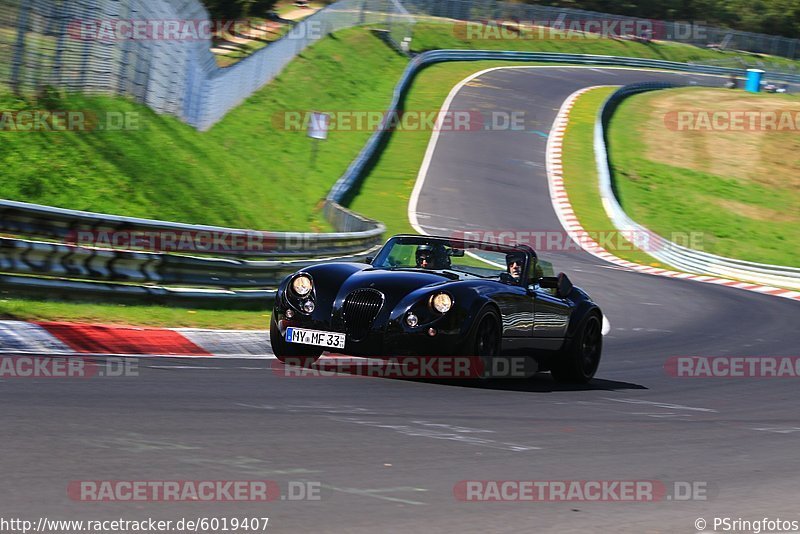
x: 442, y: 303
x: 308, y: 306
x: 412, y: 320
x: 302, y: 285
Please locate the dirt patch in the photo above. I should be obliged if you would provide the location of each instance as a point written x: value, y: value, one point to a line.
x: 767, y: 157
x: 758, y: 213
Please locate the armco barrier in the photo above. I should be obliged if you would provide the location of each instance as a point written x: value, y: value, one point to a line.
x: 38, y: 258
x: 32, y: 220
x: 356, y: 234
x: 666, y: 251
x: 116, y: 292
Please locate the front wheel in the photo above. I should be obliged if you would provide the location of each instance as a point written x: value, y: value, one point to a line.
x: 291, y: 353
x: 485, y: 340
x: 578, y: 362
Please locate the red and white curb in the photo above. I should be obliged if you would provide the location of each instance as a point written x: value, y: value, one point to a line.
x: 569, y: 220
x: 52, y: 338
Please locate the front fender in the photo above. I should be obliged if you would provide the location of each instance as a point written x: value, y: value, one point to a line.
x: 584, y: 307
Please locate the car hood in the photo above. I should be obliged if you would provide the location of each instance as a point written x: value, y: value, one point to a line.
x: 393, y: 284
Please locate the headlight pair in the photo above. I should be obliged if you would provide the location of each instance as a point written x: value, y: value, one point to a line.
x: 441, y: 302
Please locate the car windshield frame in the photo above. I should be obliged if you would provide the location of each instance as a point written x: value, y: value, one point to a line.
x: 380, y: 260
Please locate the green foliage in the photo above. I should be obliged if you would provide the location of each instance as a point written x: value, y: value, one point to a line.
x: 773, y: 17
x: 236, y: 9
x: 248, y: 171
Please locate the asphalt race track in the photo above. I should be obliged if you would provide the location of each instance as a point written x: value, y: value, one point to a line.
x: 388, y: 453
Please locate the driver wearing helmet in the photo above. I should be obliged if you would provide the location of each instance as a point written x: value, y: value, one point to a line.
x: 425, y: 257
x: 432, y: 257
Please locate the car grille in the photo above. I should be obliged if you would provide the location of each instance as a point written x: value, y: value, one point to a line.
x: 359, y: 310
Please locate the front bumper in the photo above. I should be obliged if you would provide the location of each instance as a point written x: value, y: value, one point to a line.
x: 385, y: 339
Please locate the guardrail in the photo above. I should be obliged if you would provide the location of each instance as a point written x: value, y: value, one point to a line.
x: 194, y: 297
x: 355, y: 235
x: 38, y: 258
x: 663, y: 249
x: 569, y: 19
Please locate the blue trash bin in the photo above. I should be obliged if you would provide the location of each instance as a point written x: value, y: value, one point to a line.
x: 754, y: 76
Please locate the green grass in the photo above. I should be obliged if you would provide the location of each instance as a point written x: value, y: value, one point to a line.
x: 434, y: 34
x: 245, y: 172
x: 386, y: 190
x: 740, y: 191
x: 155, y: 316
x: 580, y: 173
x: 237, y: 174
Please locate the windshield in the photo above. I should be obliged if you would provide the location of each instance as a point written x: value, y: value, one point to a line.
x: 435, y: 254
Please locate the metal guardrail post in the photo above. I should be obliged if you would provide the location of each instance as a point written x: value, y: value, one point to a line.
x: 19, y: 45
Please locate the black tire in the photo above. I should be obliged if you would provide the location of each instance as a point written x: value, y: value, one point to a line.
x: 578, y: 361
x: 291, y: 353
x: 485, y: 340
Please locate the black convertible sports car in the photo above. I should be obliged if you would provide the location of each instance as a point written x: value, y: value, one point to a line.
x: 435, y: 296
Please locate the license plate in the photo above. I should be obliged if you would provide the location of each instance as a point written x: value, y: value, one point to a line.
x: 315, y: 337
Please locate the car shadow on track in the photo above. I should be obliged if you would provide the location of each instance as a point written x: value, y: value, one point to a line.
x: 533, y: 383
x: 539, y: 383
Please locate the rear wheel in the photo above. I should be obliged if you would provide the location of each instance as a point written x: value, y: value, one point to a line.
x: 578, y: 362
x: 291, y: 353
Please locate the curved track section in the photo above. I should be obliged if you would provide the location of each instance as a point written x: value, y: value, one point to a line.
x: 387, y: 454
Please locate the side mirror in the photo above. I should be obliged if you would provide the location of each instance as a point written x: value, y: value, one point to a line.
x: 548, y: 282
x: 369, y: 260
x: 560, y: 283
x: 564, y: 286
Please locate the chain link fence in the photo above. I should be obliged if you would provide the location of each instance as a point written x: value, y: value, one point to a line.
x: 46, y: 43
x: 125, y: 47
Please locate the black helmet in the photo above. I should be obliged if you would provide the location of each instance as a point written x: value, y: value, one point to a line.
x: 437, y: 256
x: 426, y: 252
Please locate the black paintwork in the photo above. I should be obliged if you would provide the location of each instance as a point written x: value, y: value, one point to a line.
x: 535, y: 321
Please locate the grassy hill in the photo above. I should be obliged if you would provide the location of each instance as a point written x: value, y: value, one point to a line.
x: 248, y: 171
